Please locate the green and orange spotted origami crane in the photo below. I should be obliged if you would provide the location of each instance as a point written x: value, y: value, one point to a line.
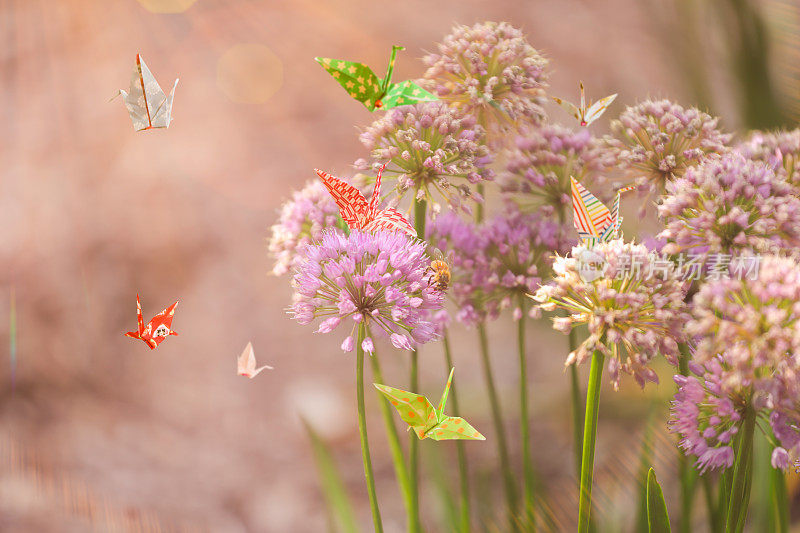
x: 361, y: 83
x: 427, y: 422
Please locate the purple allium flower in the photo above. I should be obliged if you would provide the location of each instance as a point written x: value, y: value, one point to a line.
x: 518, y: 252
x: 754, y: 323
x: 731, y: 206
x: 785, y: 420
x: 540, y: 166
x: 707, y: 414
x: 655, y: 142
x: 432, y: 151
x: 489, y: 70
x: 496, y: 265
x: 460, y: 241
x: 376, y: 277
x: 631, y: 300
x: 302, y: 220
x: 780, y: 150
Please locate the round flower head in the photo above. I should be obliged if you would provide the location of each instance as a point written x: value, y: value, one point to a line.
x: 730, y: 206
x: 377, y: 277
x: 630, y: 299
x: 655, y: 142
x: 490, y: 71
x: 460, y: 241
x: 754, y: 322
x: 518, y: 251
x: 785, y: 419
x: 707, y: 413
x: 431, y: 150
x: 780, y: 150
x: 302, y: 220
x: 539, y: 168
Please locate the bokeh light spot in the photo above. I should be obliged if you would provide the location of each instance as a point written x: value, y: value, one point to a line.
x: 249, y: 73
x: 167, y: 6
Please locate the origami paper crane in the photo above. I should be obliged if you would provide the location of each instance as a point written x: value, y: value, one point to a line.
x: 420, y: 415
x: 360, y: 214
x: 361, y: 83
x: 583, y: 115
x: 247, y: 363
x: 157, y: 329
x: 593, y: 220
x: 147, y: 104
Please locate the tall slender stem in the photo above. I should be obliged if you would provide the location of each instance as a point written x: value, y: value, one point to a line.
x: 463, y: 472
x: 414, y: 526
x: 742, y: 474
x: 589, y: 440
x: 713, y: 512
x: 497, y: 416
x: 362, y: 431
x: 400, y: 467
x: 577, y: 406
x: 527, y: 466
x: 686, y: 474
x: 479, y: 207
x: 780, y: 498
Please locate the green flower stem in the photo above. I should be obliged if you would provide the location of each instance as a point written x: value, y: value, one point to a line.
x: 414, y: 526
x: 463, y: 473
x: 527, y: 465
x: 742, y: 474
x: 711, y: 506
x: 577, y: 405
x: 497, y: 418
x: 362, y: 431
x: 686, y: 474
x: 780, y: 498
x: 479, y: 206
x: 400, y: 468
x: 589, y: 440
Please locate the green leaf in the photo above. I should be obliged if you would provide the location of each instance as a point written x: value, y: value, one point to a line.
x: 645, y: 460
x: 657, y: 517
x: 339, y: 506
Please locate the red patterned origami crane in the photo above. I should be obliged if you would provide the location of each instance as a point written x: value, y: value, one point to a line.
x: 158, y: 329
x: 360, y: 214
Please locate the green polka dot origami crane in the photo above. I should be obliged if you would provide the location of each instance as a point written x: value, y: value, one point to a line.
x: 361, y: 83
x: 427, y: 422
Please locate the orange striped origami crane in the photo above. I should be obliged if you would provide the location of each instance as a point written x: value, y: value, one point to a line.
x: 360, y: 214
x: 158, y: 329
x: 593, y: 220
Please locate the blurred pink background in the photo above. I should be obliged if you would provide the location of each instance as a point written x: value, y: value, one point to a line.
x: 92, y: 212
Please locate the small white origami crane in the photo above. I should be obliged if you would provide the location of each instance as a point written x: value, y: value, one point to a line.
x: 247, y: 363
x: 147, y: 104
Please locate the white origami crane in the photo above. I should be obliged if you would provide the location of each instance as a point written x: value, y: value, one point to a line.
x: 247, y: 363
x: 147, y: 104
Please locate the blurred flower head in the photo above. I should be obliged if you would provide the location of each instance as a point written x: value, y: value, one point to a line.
x: 707, y: 415
x: 730, y: 205
x: 431, y: 150
x: 785, y: 418
x: 460, y: 240
x: 657, y: 141
x: 490, y: 71
x: 753, y: 323
x: 633, y: 312
x: 302, y: 220
x: 539, y: 168
x: 376, y: 278
x: 497, y: 264
x: 780, y: 150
